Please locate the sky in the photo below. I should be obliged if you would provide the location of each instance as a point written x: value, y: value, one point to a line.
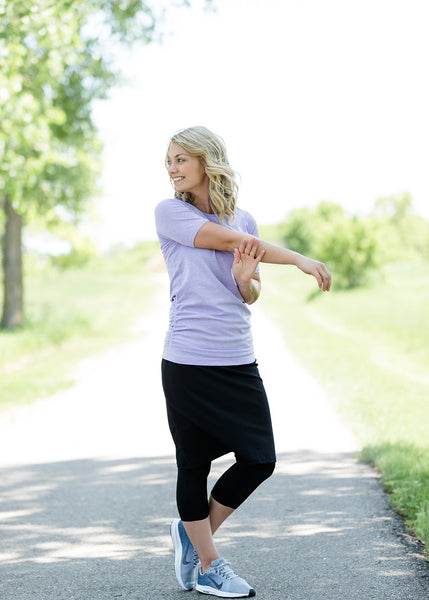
x: 315, y: 99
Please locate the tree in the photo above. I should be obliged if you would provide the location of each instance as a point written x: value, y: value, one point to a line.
x: 349, y: 246
x: 48, y: 143
x: 405, y: 235
x: 297, y: 231
x: 53, y: 66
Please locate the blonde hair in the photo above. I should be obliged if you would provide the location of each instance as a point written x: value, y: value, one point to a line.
x: 210, y: 149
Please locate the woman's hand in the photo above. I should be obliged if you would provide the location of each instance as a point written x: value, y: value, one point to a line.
x: 317, y: 269
x: 246, y: 259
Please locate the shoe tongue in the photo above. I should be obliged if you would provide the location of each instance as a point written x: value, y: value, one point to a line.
x: 217, y: 562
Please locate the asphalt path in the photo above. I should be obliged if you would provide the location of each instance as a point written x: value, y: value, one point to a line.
x: 87, y: 491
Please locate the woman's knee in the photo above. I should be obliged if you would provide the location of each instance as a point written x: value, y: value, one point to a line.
x: 260, y: 472
x: 267, y: 469
x: 240, y: 481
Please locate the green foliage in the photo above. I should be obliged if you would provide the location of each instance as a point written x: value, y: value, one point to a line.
x: 52, y: 69
x: 405, y: 235
x: 298, y: 231
x: 349, y: 246
x: 355, y: 247
x: 421, y: 522
x: 405, y: 473
x: 37, y: 47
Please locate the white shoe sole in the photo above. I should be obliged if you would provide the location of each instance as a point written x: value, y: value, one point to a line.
x: 205, y: 589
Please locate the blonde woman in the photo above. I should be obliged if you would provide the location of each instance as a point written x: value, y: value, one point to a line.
x: 216, y: 402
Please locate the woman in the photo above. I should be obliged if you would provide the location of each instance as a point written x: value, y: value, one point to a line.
x: 216, y: 402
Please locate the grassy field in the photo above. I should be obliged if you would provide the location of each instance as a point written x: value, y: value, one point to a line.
x: 370, y: 350
x: 71, y: 314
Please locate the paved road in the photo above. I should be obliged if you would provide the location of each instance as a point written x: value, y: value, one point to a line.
x: 87, y: 482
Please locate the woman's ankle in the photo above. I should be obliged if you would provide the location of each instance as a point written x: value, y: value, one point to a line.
x: 207, y: 564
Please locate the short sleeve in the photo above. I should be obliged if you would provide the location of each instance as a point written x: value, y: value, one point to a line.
x: 178, y: 221
x: 252, y: 226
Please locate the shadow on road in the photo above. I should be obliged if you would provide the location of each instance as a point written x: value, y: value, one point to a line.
x: 96, y: 529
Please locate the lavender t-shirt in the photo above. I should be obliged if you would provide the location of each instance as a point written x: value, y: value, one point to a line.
x: 209, y: 321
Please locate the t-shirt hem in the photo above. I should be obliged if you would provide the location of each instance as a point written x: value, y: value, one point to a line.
x: 205, y: 358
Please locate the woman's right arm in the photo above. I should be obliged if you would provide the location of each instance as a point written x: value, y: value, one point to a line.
x: 216, y: 237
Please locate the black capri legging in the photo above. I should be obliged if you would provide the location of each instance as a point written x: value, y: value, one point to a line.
x: 231, y: 489
x: 212, y: 411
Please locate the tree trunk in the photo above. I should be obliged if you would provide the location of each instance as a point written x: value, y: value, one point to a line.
x: 12, y: 268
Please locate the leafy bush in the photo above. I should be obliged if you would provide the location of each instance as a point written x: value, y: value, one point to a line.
x: 298, y: 231
x: 349, y: 246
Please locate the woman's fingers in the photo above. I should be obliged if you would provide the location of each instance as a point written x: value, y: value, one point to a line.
x: 324, y: 279
x: 255, y: 248
x: 327, y: 279
x: 260, y: 256
x: 249, y: 246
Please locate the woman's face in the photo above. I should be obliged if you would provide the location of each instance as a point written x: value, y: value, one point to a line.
x: 185, y: 171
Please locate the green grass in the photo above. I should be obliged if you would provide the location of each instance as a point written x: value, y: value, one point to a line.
x: 71, y: 314
x: 370, y: 349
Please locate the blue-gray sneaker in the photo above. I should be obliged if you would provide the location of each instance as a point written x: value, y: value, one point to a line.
x: 220, y: 580
x: 185, y: 557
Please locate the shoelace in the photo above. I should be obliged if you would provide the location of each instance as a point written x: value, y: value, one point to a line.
x: 223, y: 570
x: 195, y: 559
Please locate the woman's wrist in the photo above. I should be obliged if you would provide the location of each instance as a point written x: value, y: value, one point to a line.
x: 249, y: 290
x: 242, y: 283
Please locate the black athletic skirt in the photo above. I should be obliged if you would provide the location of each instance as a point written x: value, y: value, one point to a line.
x: 216, y: 410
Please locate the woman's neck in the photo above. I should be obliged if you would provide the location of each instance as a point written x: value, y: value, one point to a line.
x: 202, y: 203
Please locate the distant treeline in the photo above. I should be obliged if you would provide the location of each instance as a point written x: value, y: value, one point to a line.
x: 354, y: 247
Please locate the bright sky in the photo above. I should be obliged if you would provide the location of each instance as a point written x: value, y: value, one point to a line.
x: 314, y: 99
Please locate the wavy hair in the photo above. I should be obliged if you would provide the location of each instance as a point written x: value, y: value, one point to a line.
x: 210, y: 149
